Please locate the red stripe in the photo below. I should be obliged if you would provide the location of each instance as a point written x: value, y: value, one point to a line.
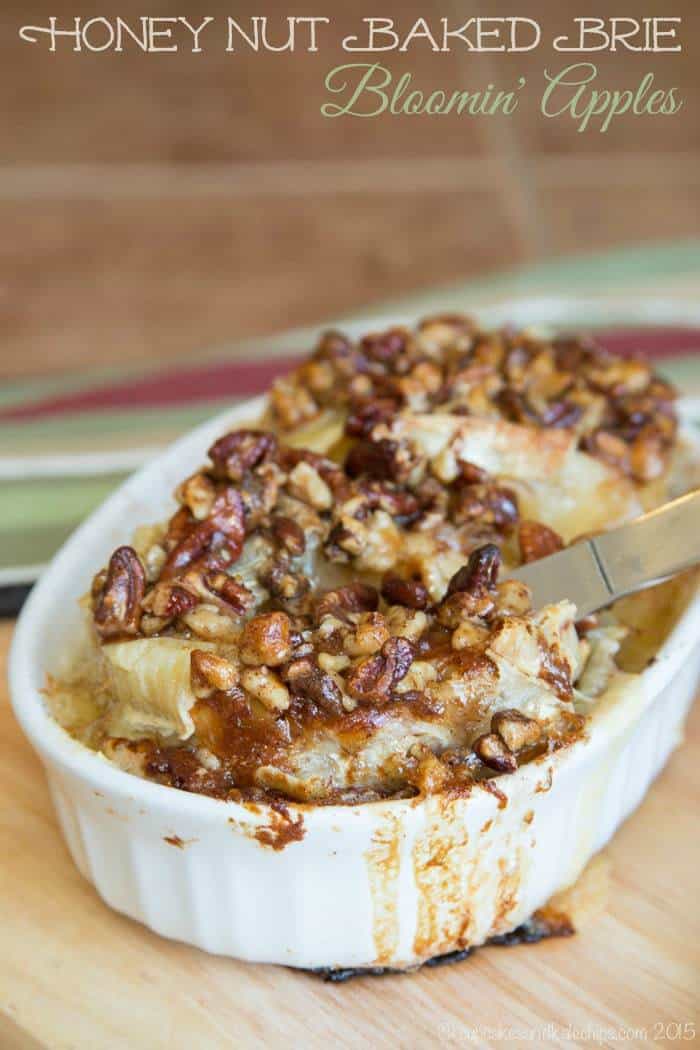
x: 234, y: 379
x: 654, y: 343
x: 238, y: 379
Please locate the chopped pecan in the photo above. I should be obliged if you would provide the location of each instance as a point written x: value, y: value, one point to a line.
x: 395, y: 500
x: 375, y: 459
x: 266, y: 639
x: 117, y: 608
x: 561, y: 414
x: 234, y: 454
x: 354, y: 598
x: 538, y: 541
x: 373, y: 679
x: 331, y: 473
x: 266, y: 686
x: 197, y: 493
x: 288, y: 587
x: 289, y: 534
x: 367, y: 412
x: 411, y: 593
x: 487, y: 503
x: 210, y: 673
x: 368, y: 637
x: 608, y: 447
x: 168, y: 600
x: 306, y: 483
x: 384, y: 347
x: 306, y: 679
x: 231, y: 591
x: 515, y: 729
x: 333, y: 345
x: 470, y: 473
x: 494, y: 753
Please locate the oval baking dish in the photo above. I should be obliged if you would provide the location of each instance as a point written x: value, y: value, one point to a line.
x: 386, y: 883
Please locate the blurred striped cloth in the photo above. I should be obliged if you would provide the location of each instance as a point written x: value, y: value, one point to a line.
x: 66, y: 442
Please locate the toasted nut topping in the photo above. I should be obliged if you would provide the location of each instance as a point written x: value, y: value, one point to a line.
x: 266, y: 639
x: 513, y: 598
x: 236, y: 453
x: 306, y: 484
x: 494, y: 753
x: 369, y: 635
x: 209, y: 672
x: 289, y: 534
x: 468, y: 633
x: 479, y: 574
x: 375, y: 459
x: 231, y: 591
x: 356, y: 597
x: 267, y: 687
x: 515, y: 729
x: 490, y: 504
x: 197, y: 493
x: 367, y: 413
x: 374, y: 678
x: 305, y: 678
x: 411, y: 593
x: 168, y: 600
x: 223, y: 531
x: 406, y: 623
x: 538, y: 540
x: 118, y: 604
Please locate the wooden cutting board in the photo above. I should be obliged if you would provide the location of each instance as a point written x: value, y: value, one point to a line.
x: 75, y: 974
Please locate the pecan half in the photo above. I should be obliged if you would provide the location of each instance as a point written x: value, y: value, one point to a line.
x: 538, y: 540
x: 373, y: 679
x: 224, y: 529
x: 411, y: 593
x: 234, y: 454
x: 117, y: 609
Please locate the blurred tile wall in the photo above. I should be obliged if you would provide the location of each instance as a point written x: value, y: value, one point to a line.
x: 152, y: 205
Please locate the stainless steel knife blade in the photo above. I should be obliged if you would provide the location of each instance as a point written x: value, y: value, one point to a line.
x: 597, y: 571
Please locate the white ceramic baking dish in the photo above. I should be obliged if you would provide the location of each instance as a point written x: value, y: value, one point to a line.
x: 387, y: 883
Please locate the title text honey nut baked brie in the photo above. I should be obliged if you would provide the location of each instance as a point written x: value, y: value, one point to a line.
x: 327, y: 616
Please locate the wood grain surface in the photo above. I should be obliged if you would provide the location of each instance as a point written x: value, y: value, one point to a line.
x: 153, y: 205
x: 74, y: 974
